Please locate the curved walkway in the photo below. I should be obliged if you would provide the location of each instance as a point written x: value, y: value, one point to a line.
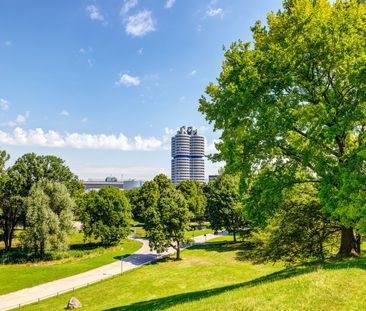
x: 141, y: 257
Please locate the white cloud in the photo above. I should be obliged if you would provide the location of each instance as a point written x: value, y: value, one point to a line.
x: 211, y: 12
x: 21, y: 119
x: 169, y: 4
x: 193, y: 72
x: 39, y: 137
x: 64, y: 113
x: 140, y: 24
x: 4, y: 104
x: 128, y: 80
x: 94, y: 13
x: 128, y: 5
x: 211, y: 148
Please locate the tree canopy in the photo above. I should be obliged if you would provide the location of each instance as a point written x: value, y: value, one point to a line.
x: 193, y: 193
x: 295, y: 99
x: 106, y: 215
x: 223, y: 204
x: 17, y: 180
x: 167, y: 220
x: 49, y: 217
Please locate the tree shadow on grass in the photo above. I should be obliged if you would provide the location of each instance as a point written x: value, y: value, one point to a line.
x: 167, y: 302
x: 287, y: 273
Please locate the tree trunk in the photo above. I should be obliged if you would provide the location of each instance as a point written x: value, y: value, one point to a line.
x: 234, y: 234
x: 178, y: 251
x: 348, y: 243
x: 8, y: 237
x: 41, y: 249
x: 358, y: 244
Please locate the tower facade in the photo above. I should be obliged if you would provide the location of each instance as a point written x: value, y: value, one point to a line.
x: 188, y: 150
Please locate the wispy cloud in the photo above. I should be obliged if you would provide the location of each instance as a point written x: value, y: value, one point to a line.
x: 140, y: 51
x: 21, y: 119
x: 7, y: 43
x: 94, y: 13
x: 140, y: 24
x: 128, y: 80
x: 84, y: 120
x: 212, y: 12
x: 193, y: 72
x: 4, y: 104
x: 128, y: 5
x: 169, y: 4
x: 39, y: 137
x: 64, y: 113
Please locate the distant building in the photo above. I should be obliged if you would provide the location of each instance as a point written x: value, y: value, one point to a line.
x: 112, y: 182
x: 111, y: 179
x: 188, y: 151
x: 132, y: 184
x: 98, y: 184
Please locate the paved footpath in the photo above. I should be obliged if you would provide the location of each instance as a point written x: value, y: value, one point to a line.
x: 143, y: 256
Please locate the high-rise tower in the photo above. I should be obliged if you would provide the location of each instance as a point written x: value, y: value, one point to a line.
x: 188, y: 150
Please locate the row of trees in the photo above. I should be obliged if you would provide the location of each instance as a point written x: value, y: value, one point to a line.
x: 41, y: 195
x: 166, y: 210
x: 37, y: 193
x: 291, y: 108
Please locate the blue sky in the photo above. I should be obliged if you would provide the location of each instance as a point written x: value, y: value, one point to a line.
x: 104, y: 84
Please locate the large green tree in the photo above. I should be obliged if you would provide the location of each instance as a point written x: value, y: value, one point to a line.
x: 223, y: 204
x: 167, y: 220
x: 49, y: 217
x: 295, y: 98
x: 106, y: 215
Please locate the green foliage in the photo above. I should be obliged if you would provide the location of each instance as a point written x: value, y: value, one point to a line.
x: 223, y: 204
x: 31, y: 169
x: 193, y: 193
x: 49, y: 217
x: 137, y: 206
x: 163, y: 182
x: 167, y: 219
x: 106, y: 215
x: 300, y: 230
x: 295, y: 99
x: 18, y: 179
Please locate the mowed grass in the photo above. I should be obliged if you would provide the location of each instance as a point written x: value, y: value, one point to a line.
x: 218, y: 277
x: 82, y: 256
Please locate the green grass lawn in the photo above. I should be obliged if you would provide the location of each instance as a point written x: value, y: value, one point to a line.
x: 219, y: 277
x: 82, y: 256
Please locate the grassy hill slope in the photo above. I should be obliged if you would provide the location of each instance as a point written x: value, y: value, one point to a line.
x: 219, y: 277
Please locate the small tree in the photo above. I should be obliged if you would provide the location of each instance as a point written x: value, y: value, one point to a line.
x: 223, y: 204
x: 167, y: 221
x: 299, y: 230
x: 49, y: 217
x: 106, y: 215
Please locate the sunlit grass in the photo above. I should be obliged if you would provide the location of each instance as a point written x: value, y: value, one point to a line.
x: 218, y: 277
